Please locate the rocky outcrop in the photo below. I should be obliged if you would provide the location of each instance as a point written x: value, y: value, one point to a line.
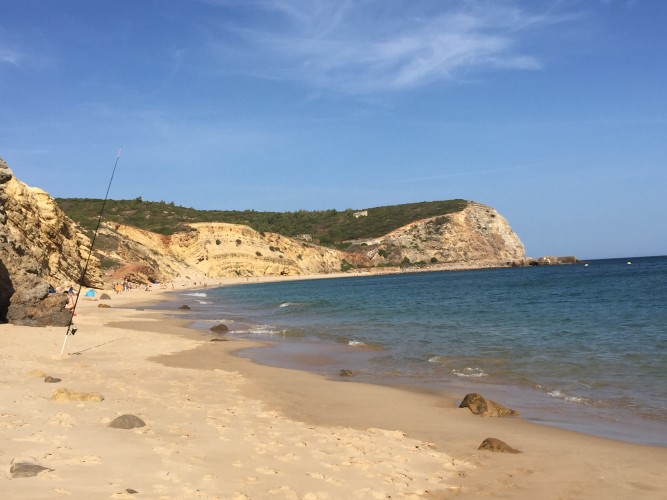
x: 39, y: 247
x: 478, y: 233
x: 496, y: 445
x: 479, y: 405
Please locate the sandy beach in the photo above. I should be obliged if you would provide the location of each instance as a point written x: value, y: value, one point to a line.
x: 220, y: 426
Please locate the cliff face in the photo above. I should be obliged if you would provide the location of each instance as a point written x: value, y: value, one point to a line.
x: 478, y: 236
x: 219, y: 250
x: 39, y: 246
x: 478, y: 233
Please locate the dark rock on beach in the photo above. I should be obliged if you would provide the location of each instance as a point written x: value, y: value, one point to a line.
x: 219, y: 340
x: 347, y: 373
x: 105, y: 296
x: 493, y: 444
x: 221, y: 328
x: 478, y: 405
x: 104, y: 306
x: 52, y: 380
x: 127, y: 422
x: 185, y: 307
x: 26, y: 469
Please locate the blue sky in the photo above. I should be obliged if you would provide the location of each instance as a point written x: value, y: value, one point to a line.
x: 554, y: 112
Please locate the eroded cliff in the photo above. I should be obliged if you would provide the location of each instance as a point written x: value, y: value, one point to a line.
x: 39, y: 246
x: 477, y: 236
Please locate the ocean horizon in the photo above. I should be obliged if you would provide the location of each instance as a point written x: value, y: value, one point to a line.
x: 581, y: 347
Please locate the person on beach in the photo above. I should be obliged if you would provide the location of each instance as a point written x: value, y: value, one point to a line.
x: 70, y: 300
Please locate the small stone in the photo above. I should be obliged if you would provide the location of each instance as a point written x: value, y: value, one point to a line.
x: 25, y: 469
x: 103, y: 306
x: 493, y: 444
x: 219, y: 340
x: 127, y: 421
x: 52, y: 380
x: 347, y: 373
x: 185, y: 307
x: 131, y: 491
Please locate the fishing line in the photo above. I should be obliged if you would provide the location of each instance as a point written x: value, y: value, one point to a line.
x: 71, y: 329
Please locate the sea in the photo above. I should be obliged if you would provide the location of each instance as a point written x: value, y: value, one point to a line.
x: 581, y: 347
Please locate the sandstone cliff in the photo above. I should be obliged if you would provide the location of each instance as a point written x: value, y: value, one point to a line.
x: 215, y: 250
x: 39, y: 246
x: 477, y: 236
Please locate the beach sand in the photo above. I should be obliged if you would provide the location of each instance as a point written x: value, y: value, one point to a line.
x: 221, y: 426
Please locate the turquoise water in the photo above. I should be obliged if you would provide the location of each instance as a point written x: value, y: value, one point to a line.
x: 580, y: 347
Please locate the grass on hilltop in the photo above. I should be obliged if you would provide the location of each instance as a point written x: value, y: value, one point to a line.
x: 328, y: 227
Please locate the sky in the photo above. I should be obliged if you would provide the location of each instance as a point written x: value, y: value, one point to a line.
x: 554, y: 112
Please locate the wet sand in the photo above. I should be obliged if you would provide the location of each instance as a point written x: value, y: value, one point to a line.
x: 221, y: 426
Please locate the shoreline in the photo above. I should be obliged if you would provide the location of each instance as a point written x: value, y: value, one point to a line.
x: 540, y: 407
x: 222, y: 426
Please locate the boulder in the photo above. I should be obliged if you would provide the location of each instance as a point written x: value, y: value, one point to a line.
x: 493, y: 444
x: 103, y: 306
x: 185, y: 307
x: 26, y: 469
x: 33, y: 305
x: 347, y: 373
x: 221, y: 328
x: 105, y: 296
x: 478, y: 405
x: 127, y: 421
x: 52, y: 380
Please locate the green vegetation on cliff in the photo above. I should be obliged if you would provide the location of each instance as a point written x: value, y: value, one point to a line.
x: 329, y: 227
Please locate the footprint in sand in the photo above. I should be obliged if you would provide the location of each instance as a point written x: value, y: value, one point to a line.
x: 62, y: 420
x: 289, y: 457
x: 168, y: 476
x: 33, y: 438
x: 267, y: 470
x: 10, y: 421
x: 85, y: 460
x: 286, y: 492
x: 329, y: 480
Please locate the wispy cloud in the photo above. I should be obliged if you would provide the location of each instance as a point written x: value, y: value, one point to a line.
x: 374, y: 45
x: 9, y: 56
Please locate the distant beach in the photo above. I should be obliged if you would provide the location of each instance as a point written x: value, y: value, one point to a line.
x: 220, y: 426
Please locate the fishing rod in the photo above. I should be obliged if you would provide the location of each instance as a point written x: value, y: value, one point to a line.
x: 71, y: 329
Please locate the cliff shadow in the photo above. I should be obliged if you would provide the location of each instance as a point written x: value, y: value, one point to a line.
x: 6, y: 292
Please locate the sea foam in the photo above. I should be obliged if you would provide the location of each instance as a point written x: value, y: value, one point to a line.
x: 560, y: 395
x: 468, y: 372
